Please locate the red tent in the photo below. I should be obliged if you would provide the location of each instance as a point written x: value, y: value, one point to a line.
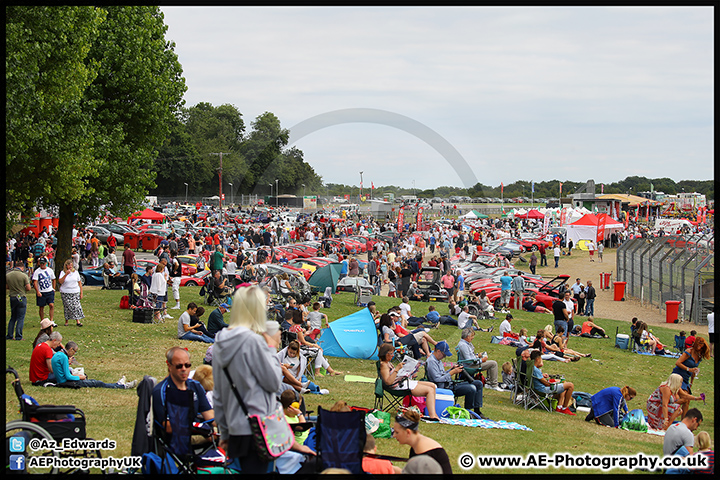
x: 147, y: 214
x: 531, y: 214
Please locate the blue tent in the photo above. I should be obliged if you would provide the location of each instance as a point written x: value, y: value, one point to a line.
x: 353, y: 336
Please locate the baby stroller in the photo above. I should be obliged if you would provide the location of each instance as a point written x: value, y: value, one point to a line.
x: 51, y: 423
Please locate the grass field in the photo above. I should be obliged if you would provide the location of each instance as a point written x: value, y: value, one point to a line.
x: 112, y: 346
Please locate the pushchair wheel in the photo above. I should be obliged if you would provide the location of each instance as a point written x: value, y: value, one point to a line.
x: 21, y: 431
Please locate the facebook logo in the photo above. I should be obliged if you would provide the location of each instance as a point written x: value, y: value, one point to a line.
x: 17, y: 444
x: 17, y: 462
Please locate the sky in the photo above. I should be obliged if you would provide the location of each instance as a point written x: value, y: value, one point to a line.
x: 425, y: 97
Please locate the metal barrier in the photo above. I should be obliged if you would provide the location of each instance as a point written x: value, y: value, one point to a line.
x: 667, y: 268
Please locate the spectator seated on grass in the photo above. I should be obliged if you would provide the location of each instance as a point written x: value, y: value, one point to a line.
x: 376, y: 466
x: 561, y: 391
x: 590, y: 328
x: 406, y: 432
x: 561, y: 342
x: 531, y: 304
x: 665, y: 404
x: 548, y: 349
x: 293, y: 414
x: 61, y: 369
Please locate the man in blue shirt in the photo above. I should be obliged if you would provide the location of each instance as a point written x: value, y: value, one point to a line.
x: 61, y: 369
x: 473, y: 392
x: 505, y: 290
x: 343, y: 269
x: 216, y: 322
x: 178, y: 364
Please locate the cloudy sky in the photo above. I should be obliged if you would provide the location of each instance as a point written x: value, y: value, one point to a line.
x: 451, y: 96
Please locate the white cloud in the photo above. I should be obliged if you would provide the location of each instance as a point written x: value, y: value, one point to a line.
x: 521, y: 93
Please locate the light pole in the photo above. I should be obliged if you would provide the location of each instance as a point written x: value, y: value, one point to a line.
x: 303, y: 202
x: 276, y: 193
x: 361, y: 186
x: 231, y: 194
x: 271, y: 186
x: 186, y: 189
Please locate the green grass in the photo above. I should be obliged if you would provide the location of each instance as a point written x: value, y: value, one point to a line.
x: 111, y: 346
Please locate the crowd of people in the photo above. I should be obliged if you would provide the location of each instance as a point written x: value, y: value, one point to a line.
x: 246, y: 352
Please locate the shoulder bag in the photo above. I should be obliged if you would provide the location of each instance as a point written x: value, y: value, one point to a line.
x: 271, y: 433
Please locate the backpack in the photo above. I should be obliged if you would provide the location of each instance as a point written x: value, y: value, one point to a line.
x: 583, y: 399
x: 125, y: 302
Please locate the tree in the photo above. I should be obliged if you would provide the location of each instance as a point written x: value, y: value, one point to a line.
x: 260, y: 150
x: 124, y: 113
x: 49, y: 145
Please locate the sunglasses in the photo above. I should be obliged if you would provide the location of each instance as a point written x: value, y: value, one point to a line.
x: 181, y: 365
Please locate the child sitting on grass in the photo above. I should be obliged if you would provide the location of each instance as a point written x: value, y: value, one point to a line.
x: 561, y: 391
x: 376, y: 466
x: 291, y: 407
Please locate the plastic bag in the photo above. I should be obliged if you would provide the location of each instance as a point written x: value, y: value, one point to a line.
x: 457, y: 413
x: 634, y: 420
x: 384, y: 423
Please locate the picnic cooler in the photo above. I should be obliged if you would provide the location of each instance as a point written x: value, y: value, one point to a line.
x: 142, y: 315
x: 621, y: 341
x: 443, y: 398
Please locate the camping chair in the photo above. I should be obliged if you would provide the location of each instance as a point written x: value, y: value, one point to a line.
x: 679, y: 344
x: 363, y: 296
x: 383, y: 394
x: 310, y: 354
x: 213, y: 299
x: 517, y: 388
x: 340, y: 440
x: 175, y: 448
x: 533, y: 398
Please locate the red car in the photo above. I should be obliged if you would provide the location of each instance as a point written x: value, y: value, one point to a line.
x: 195, y: 279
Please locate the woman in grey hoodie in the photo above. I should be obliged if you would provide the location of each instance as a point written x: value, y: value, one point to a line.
x: 248, y: 352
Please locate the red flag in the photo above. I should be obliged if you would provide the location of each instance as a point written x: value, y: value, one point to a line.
x: 627, y: 218
x: 372, y: 186
x: 561, y: 189
x: 602, y: 219
x: 501, y: 187
x: 647, y: 211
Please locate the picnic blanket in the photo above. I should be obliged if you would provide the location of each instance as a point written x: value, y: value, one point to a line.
x: 485, y: 424
x: 670, y: 355
x: 359, y: 378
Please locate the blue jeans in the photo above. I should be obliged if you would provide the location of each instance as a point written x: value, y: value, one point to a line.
x: 589, y: 307
x: 557, y: 259
x: 194, y: 337
x: 98, y: 384
x: 473, y: 393
x: 563, y: 324
x: 18, y: 307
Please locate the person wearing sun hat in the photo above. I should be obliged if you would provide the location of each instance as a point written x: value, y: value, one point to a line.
x: 472, y: 391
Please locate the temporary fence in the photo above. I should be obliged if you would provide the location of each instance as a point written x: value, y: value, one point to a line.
x: 670, y: 268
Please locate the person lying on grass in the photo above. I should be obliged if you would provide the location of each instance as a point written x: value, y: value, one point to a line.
x: 561, y: 342
x: 549, y: 348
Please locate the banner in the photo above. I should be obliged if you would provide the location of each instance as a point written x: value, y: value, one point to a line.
x: 310, y: 202
x: 419, y: 218
x: 563, y: 214
x: 627, y: 219
x: 602, y: 219
x: 401, y: 218
x: 546, y: 224
x: 560, y: 189
x: 532, y: 186
x: 647, y: 211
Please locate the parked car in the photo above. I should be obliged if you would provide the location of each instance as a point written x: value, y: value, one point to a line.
x: 103, y: 234
x: 350, y: 284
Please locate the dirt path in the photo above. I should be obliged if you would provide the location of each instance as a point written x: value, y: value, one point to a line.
x: 579, y: 265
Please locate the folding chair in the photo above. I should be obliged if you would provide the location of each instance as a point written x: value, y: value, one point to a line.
x: 175, y: 448
x: 517, y: 388
x: 679, y: 344
x: 533, y: 398
x: 383, y: 394
x: 340, y: 440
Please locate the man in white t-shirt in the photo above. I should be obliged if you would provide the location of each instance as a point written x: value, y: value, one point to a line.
x: 43, y: 279
x: 405, y: 312
x: 570, y: 307
x: 465, y: 320
x: 505, y: 325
